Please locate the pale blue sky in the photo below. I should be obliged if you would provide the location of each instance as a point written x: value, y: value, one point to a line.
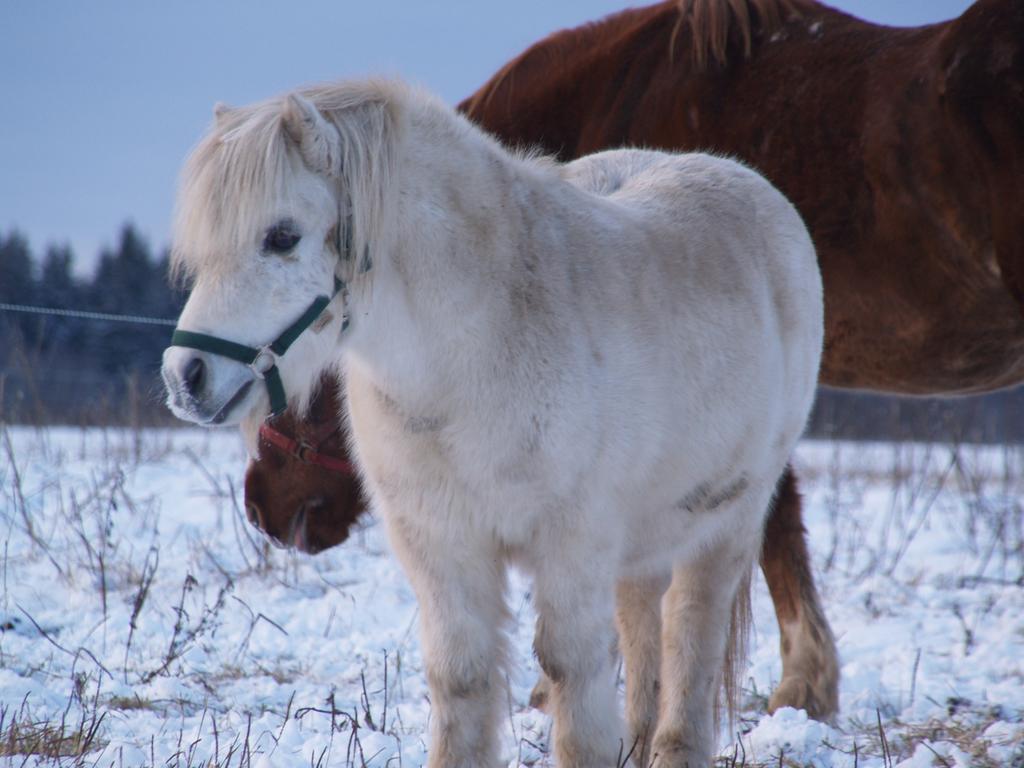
x: 102, y: 100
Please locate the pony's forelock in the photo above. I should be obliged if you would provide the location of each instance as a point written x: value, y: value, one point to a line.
x: 228, y: 184
x: 237, y: 174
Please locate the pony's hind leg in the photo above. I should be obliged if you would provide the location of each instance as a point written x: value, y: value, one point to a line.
x: 462, y: 625
x: 810, y: 665
x: 697, y: 635
x: 574, y: 600
x: 638, y: 614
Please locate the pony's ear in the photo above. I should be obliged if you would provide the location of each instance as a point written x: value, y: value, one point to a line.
x: 317, y: 139
x: 220, y: 111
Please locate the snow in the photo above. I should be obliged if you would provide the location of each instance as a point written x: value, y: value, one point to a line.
x: 248, y: 655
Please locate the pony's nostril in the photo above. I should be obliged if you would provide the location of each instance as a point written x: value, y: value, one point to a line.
x: 195, y: 374
x: 253, y: 513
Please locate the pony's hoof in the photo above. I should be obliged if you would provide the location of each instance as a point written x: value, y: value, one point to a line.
x: 820, y: 702
x: 672, y: 754
x: 539, y: 694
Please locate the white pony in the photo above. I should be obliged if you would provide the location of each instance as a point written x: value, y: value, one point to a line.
x: 596, y: 371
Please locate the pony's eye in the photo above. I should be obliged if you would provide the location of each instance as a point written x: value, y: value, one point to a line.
x: 281, y: 238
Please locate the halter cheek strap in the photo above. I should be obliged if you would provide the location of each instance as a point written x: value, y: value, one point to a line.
x: 262, y: 360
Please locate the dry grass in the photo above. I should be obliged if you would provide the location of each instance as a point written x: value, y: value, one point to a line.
x: 23, y: 735
x: 131, y: 703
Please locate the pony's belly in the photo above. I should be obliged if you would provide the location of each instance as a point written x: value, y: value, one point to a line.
x: 671, y: 536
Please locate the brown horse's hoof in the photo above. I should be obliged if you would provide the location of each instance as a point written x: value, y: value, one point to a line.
x: 821, y: 702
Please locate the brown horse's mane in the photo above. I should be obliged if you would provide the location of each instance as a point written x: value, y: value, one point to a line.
x: 712, y: 25
x: 713, y: 22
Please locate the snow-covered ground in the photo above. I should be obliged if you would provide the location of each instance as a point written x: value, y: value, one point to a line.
x: 145, y: 624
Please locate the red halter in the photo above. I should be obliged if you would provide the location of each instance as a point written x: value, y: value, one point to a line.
x: 306, y: 453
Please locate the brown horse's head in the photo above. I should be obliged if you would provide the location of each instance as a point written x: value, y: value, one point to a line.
x: 302, y: 491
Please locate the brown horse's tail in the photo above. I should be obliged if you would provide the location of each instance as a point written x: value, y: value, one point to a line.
x: 735, y: 663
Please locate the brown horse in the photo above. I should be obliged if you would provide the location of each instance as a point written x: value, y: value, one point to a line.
x: 902, y: 148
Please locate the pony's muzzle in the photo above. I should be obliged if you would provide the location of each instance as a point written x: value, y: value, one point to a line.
x: 202, y: 390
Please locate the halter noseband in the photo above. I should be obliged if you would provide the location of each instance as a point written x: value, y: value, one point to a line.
x: 306, y: 453
x: 262, y: 360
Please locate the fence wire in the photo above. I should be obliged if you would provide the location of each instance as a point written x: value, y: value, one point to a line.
x: 86, y: 315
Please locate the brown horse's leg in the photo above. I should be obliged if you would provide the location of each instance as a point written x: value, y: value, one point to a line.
x: 810, y: 665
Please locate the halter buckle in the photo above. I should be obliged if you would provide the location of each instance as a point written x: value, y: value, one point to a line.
x: 263, y: 362
x: 304, y: 452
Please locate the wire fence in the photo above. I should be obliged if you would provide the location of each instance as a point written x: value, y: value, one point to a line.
x: 83, y: 314
x: 44, y: 391
x: 42, y: 382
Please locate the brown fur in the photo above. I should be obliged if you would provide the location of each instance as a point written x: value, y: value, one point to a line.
x: 903, y: 149
x: 299, y: 504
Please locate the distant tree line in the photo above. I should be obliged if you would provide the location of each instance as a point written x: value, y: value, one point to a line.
x: 72, y: 371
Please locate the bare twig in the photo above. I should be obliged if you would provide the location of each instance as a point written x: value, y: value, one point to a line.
x: 149, y: 567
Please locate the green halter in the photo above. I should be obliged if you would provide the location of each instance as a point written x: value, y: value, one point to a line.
x: 262, y: 360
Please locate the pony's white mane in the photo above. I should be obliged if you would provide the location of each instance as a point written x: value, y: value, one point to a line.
x: 237, y: 174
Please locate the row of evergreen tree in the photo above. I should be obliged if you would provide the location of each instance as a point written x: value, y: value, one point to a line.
x: 65, y: 369
x: 70, y: 370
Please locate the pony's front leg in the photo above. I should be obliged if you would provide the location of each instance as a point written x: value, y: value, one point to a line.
x: 460, y: 590
x: 574, y: 592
